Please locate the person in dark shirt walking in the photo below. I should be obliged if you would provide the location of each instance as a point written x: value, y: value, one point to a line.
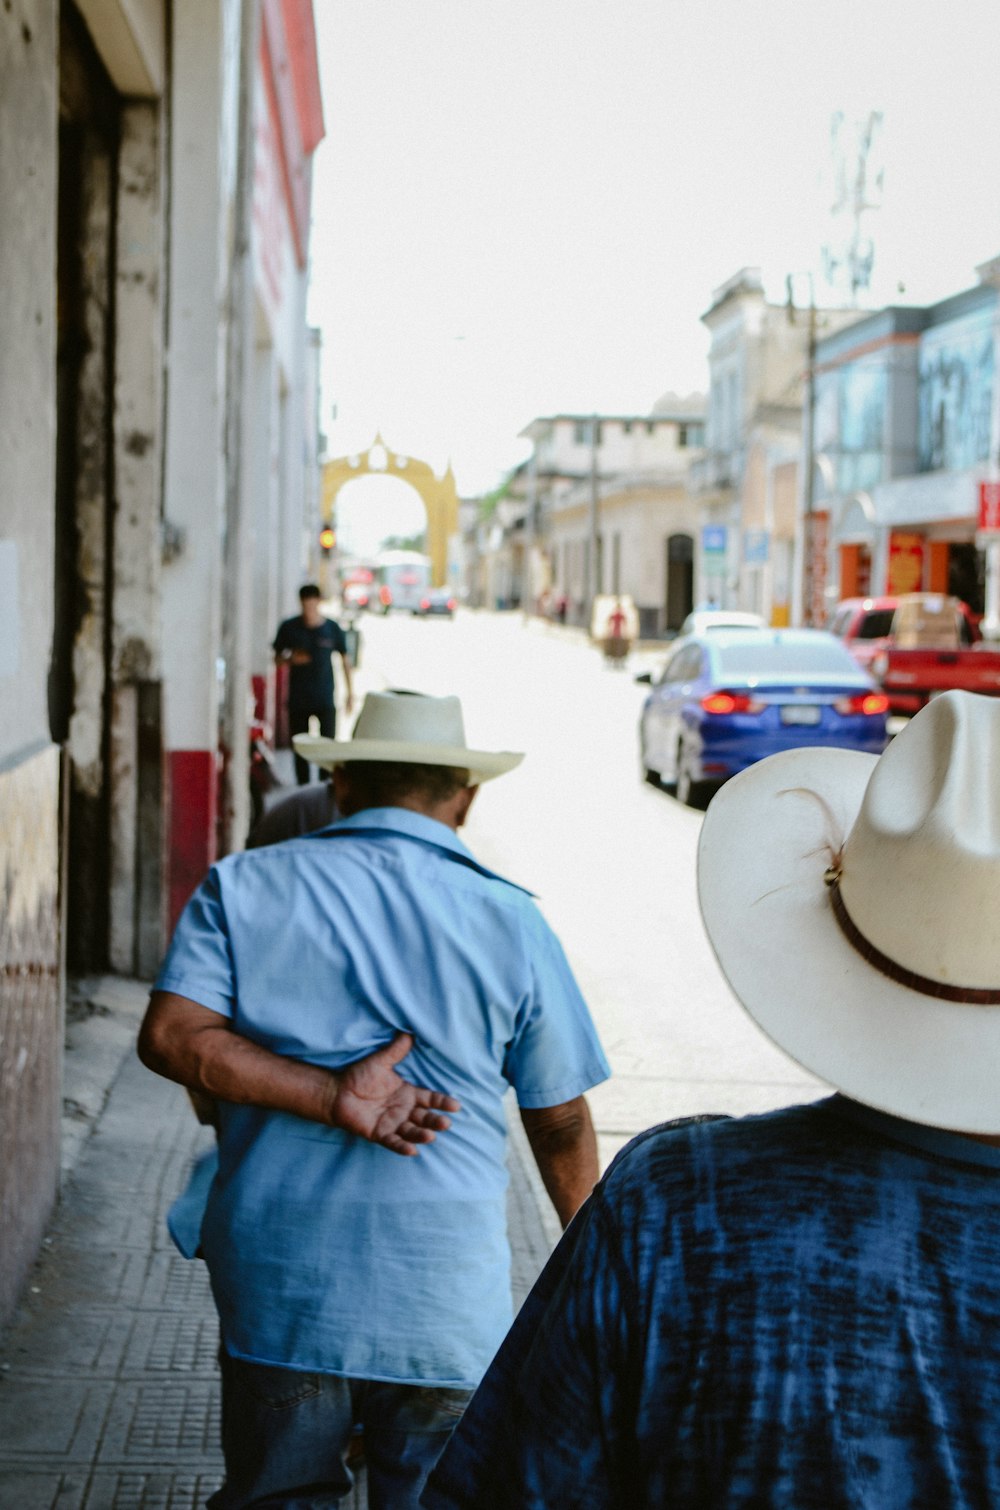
x: 307, y: 644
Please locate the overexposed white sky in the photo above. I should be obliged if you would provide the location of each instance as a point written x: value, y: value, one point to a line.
x: 523, y: 207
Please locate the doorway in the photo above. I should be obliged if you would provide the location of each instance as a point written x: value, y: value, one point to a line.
x: 678, y: 580
x: 89, y: 115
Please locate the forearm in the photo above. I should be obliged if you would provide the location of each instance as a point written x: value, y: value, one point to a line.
x: 565, y: 1149
x: 215, y: 1061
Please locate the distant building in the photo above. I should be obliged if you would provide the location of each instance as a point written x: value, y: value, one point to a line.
x: 615, y: 484
x: 746, y: 484
x: 905, y: 415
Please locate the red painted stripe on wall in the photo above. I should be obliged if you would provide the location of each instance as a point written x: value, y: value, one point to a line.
x: 193, y: 776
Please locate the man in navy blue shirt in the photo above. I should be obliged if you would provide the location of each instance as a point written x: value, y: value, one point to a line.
x: 797, y: 1310
x: 307, y: 644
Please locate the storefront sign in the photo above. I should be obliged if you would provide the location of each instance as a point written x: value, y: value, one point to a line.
x: 817, y: 542
x: 713, y: 549
x: 906, y: 563
x: 989, y: 507
x: 756, y: 544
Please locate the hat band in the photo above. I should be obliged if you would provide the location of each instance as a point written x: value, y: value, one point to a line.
x: 899, y: 973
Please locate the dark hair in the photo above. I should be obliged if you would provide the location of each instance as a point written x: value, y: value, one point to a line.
x: 383, y: 783
x: 309, y: 590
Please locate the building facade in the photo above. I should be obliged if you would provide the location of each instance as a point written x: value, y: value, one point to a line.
x: 608, y: 509
x: 904, y: 429
x: 157, y: 439
x: 746, y: 483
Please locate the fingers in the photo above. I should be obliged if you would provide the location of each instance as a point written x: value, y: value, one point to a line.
x: 437, y: 1099
x: 406, y: 1138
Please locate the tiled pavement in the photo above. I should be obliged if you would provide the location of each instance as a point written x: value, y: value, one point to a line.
x: 108, y: 1383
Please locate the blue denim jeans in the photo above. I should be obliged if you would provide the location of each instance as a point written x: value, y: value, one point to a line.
x: 285, y: 1435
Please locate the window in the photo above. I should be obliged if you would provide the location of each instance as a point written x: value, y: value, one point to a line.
x: 875, y: 625
x: 581, y: 431
x: 764, y: 657
x: 626, y: 427
x: 685, y: 666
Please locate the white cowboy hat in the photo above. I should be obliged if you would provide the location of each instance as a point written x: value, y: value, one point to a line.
x: 411, y: 728
x: 853, y: 902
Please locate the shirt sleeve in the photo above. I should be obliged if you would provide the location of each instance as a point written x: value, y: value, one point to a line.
x: 549, y: 1424
x: 199, y: 962
x: 339, y: 638
x: 282, y: 640
x: 555, y: 1054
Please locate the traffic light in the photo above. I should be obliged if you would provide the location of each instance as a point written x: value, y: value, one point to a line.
x: 327, y: 539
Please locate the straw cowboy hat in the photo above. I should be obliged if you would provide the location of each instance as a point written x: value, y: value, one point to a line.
x: 853, y: 902
x: 410, y: 728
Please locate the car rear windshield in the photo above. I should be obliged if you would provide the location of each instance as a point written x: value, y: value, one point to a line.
x: 783, y: 657
x: 875, y: 625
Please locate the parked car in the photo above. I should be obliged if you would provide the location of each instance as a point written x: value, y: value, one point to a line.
x: 704, y: 619
x: 438, y: 600
x: 356, y: 596
x: 728, y: 698
x: 917, y: 645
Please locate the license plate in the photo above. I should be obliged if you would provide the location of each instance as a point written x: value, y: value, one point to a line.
x: 799, y: 713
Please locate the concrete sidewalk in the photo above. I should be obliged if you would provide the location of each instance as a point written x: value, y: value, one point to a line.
x: 108, y: 1379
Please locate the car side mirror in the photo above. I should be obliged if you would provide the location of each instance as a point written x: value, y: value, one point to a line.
x: 644, y: 678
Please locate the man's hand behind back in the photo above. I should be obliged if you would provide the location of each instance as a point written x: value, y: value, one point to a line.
x: 376, y: 1103
x: 198, y: 1048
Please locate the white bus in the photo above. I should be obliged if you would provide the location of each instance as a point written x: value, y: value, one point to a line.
x: 402, y: 580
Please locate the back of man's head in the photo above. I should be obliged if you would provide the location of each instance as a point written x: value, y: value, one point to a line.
x: 309, y: 590
x: 384, y: 783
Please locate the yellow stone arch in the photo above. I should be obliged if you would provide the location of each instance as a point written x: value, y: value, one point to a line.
x: 439, y: 495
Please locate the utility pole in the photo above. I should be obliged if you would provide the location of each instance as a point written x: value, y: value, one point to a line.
x: 593, y: 583
x: 808, y: 481
x: 528, y: 603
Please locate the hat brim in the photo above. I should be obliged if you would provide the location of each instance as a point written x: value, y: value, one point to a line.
x: 482, y: 765
x: 764, y: 847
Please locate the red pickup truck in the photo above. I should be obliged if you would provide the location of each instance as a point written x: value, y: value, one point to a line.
x: 916, y: 646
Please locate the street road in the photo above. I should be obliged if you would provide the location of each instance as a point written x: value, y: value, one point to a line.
x: 611, y: 859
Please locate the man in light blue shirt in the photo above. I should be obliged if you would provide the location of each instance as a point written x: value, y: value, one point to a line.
x: 353, y: 1286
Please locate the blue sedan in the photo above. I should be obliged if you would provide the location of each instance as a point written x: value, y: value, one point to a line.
x: 727, y: 699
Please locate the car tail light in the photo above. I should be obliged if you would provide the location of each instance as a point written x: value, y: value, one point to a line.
x: 384, y: 596
x: 869, y: 703
x: 425, y: 603
x: 451, y: 605
x: 363, y: 600
x: 731, y: 702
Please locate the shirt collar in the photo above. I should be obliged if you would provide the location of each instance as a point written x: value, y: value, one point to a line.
x: 404, y: 823
x: 936, y: 1140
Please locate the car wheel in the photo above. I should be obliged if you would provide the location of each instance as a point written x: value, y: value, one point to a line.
x: 648, y: 774
x: 691, y: 793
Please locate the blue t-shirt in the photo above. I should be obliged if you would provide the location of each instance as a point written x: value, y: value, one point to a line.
x: 797, y: 1311
x: 328, y: 1253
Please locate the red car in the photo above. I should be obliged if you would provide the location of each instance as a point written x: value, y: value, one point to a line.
x: 916, y: 646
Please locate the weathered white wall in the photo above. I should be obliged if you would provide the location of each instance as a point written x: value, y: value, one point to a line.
x: 28, y: 179
x: 201, y: 165
x: 136, y: 912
